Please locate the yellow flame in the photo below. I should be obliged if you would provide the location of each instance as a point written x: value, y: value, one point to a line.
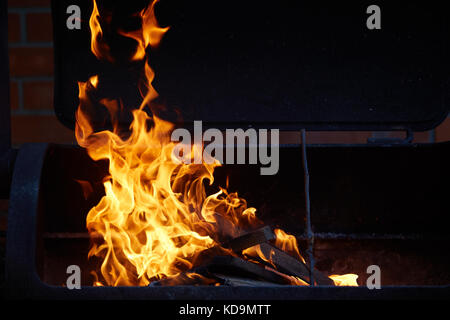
x: 155, y: 217
x: 94, y: 81
x: 98, y: 46
x: 345, y: 280
x: 288, y: 243
x: 149, y: 35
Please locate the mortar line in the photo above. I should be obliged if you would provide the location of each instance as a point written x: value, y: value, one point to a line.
x: 32, y: 112
x: 432, y: 136
x: 23, y: 27
x: 33, y: 78
x: 30, y: 44
x: 20, y: 99
x: 24, y: 11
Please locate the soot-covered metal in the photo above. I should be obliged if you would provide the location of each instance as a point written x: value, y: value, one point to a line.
x: 283, y: 64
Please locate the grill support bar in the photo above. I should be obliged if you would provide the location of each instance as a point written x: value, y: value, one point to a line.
x: 309, y: 232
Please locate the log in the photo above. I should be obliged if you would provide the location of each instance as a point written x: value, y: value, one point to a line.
x: 250, y: 239
x: 235, y: 245
x: 197, y: 276
x: 284, y: 262
x: 238, y: 281
x: 236, y: 266
x: 292, y: 266
x: 221, y: 259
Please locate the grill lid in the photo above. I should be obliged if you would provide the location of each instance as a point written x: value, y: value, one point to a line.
x: 274, y: 64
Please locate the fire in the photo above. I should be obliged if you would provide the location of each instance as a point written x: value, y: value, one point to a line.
x: 288, y: 243
x: 155, y: 217
x: 98, y: 46
x: 345, y: 280
x: 149, y: 35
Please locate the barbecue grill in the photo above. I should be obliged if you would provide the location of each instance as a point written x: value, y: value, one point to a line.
x: 291, y: 66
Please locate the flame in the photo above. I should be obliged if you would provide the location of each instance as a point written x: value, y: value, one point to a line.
x: 345, y: 279
x: 149, y: 35
x: 94, y: 81
x: 99, y: 47
x: 155, y: 217
x: 288, y: 243
x: 256, y: 252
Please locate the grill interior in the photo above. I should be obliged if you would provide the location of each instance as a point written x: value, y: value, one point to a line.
x: 369, y: 205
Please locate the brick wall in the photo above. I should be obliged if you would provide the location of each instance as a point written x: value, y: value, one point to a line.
x: 31, y: 68
x: 30, y: 38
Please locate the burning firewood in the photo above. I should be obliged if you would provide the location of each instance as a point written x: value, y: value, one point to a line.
x: 235, y: 245
x: 280, y: 259
x: 240, y: 281
x: 199, y: 276
x: 223, y: 260
x: 271, y: 264
x: 237, y: 266
x: 232, y: 271
x: 250, y: 239
x: 290, y: 265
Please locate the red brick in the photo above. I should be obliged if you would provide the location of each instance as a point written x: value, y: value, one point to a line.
x: 443, y: 131
x: 337, y: 137
x: 422, y: 137
x: 31, y: 61
x: 39, y: 128
x: 39, y: 27
x: 29, y: 3
x: 289, y: 137
x: 38, y: 95
x: 344, y: 137
x: 13, y: 27
x: 14, y: 95
x: 325, y: 137
x: 419, y: 137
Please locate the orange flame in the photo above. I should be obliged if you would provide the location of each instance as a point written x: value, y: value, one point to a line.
x: 345, y: 280
x: 288, y: 243
x: 149, y: 35
x: 98, y: 46
x: 155, y: 216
